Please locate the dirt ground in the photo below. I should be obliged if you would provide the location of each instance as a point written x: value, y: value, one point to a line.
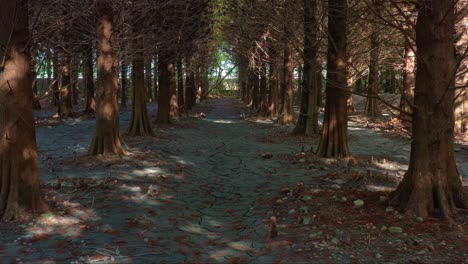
x: 222, y: 189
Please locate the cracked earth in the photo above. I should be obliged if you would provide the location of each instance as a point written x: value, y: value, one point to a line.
x: 198, y: 192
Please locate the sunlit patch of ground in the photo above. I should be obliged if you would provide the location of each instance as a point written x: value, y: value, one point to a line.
x: 350, y: 225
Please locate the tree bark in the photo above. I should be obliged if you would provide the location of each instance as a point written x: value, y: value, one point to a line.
x: 334, y: 140
x: 198, y: 83
x: 407, y: 93
x: 189, y: 86
x: 148, y: 79
x: 123, y: 84
x: 263, y: 90
x: 254, y: 86
x: 140, y: 124
x: 432, y: 184
x: 243, y: 64
x: 307, y: 123
x: 19, y: 175
x: 66, y: 89
x: 55, y: 85
x: 205, y: 81
x: 88, y: 72
x: 107, y: 139
x: 74, y: 81
x: 180, y: 85
x: 372, y: 85
x: 36, y: 103
x: 164, y: 99
x: 49, y: 66
x: 274, y: 82
x: 155, y: 77
x: 286, y: 115
x: 174, y: 113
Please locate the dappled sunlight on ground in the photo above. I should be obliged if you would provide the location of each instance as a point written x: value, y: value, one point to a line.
x: 201, y: 191
x: 218, y: 121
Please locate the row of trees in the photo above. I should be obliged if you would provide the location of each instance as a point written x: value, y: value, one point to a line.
x: 174, y: 36
x: 271, y: 41
x: 350, y: 40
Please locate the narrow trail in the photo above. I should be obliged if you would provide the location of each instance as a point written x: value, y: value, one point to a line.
x: 225, y: 198
x: 198, y: 192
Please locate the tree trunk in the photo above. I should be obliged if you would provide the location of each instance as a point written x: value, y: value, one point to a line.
x: 19, y: 184
x: 75, y: 83
x: 180, y: 85
x: 140, y: 124
x: 319, y: 85
x: 274, y: 82
x: 174, y: 113
x: 55, y: 85
x: 164, y: 99
x: 155, y: 78
x: 205, y: 81
x: 407, y: 93
x: 372, y: 88
x: 243, y: 64
x: 254, y: 86
x: 123, y: 84
x: 315, y: 76
x: 148, y: 80
x: 66, y: 89
x: 263, y: 91
x: 432, y: 183
x: 286, y: 115
x: 334, y: 140
x: 107, y: 139
x: 88, y: 72
x: 49, y: 66
x: 198, y: 82
x: 307, y: 123
x: 189, y: 87
x: 36, y: 103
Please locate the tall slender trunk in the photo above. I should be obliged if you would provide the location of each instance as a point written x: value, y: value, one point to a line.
x: 148, y: 79
x: 164, y: 99
x: 198, y: 85
x: 56, y: 82
x: 307, y: 123
x: 318, y: 77
x: 274, y: 83
x: 180, y: 85
x: 334, y: 140
x: 107, y: 139
x: 407, y: 93
x: 263, y: 90
x: 155, y: 77
x: 174, y: 104
x: 432, y: 183
x: 123, y: 84
x: 254, y: 85
x: 36, y: 103
x: 66, y: 89
x: 189, y: 86
x: 49, y: 66
x: 372, y: 85
x: 88, y: 75
x: 19, y: 175
x: 286, y: 115
x: 74, y: 81
x: 140, y: 124
x: 242, y: 81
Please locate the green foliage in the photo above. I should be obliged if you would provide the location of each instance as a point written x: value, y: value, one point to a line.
x: 227, y: 93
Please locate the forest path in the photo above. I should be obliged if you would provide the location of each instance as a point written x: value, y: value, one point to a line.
x: 198, y: 192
